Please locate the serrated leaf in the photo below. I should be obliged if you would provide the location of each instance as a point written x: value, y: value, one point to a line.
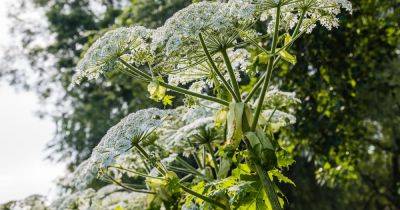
x: 259, y: 201
x: 288, y: 39
x: 281, y: 178
x: 241, y: 169
x: 198, y: 188
x: 288, y: 57
x: 284, y: 159
x: 167, y: 100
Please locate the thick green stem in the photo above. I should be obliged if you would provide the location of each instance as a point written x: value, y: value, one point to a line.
x: 262, y: 78
x: 158, y: 165
x: 198, y: 95
x: 231, y: 74
x: 134, y: 172
x: 262, y: 173
x: 211, y: 151
x: 205, y: 198
x: 269, y: 188
x: 269, y: 70
x: 135, y: 70
x: 297, y: 29
x: 127, y: 187
x: 171, y: 87
x: 215, y: 69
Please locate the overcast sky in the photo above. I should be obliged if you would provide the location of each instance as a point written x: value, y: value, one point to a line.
x: 23, y: 136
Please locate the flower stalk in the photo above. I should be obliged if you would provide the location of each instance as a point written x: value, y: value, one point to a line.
x: 171, y: 87
x: 216, y: 70
x: 231, y: 74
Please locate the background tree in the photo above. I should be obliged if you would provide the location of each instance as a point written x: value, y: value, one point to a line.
x: 347, y: 124
x: 81, y: 116
x: 347, y: 151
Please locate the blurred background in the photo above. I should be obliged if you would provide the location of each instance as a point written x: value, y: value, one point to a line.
x: 346, y: 141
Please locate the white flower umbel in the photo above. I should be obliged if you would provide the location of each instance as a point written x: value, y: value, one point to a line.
x: 175, y: 132
x: 180, y: 34
x: 323, y: 11
x: 80, y: 200
x: 118, y: 140
x: 83, y: 175
x: 109, y: 197
x: 103, y: 53
x: 113, y: 197
x: 276, y: 119
x: 32, y: 202
x: 278, y: 99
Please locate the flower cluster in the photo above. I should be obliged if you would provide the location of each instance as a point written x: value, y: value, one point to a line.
x: 118, y: 140
x: 323, y: 11
x: 33, y: 202
x: 276, y: 119
x: 103, y: 53
x: 174, y: 134
x: 278, y: 99
x: 109, y: 197
x: 180, y: 34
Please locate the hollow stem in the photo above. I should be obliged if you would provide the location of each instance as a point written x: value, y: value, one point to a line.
x: 148, y: 78
x: 134, y: 172
x: 127, y: 187
x: 198, y: 95
x: 269, y: 71
x: 135, y: 70
x: 269, y: 188
x: 231, y: 74
x: 162, y: 169
x: 296, y: 35
x: 215, y: 69
x: 262, y: 173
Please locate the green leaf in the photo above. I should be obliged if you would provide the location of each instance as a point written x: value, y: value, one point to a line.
x: 119, y: 208
x: 220, y: 117
x: 284, y: 159
x: 288, y: 57
x: 157, y: 92
x: 199, y: 188
x: 281, y: 178
x: 167, y: 100
x: 224, y: 167
x: 288, y: 39
x: 263, y: 148
x: 259, y: 201
x: 262, y: 58
x: 241, y: 169
x: 234, y: 124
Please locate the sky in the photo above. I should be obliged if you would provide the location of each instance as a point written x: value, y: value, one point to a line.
x: 23, y: 137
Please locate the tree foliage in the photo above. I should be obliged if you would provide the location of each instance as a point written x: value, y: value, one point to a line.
x: 346, y: 140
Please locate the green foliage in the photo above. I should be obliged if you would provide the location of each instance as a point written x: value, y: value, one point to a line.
x: 344, y: 80
x: 83, y: 115
x: 344, y: 77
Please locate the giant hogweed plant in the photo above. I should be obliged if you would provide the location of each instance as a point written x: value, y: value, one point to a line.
x: 217, y: 151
